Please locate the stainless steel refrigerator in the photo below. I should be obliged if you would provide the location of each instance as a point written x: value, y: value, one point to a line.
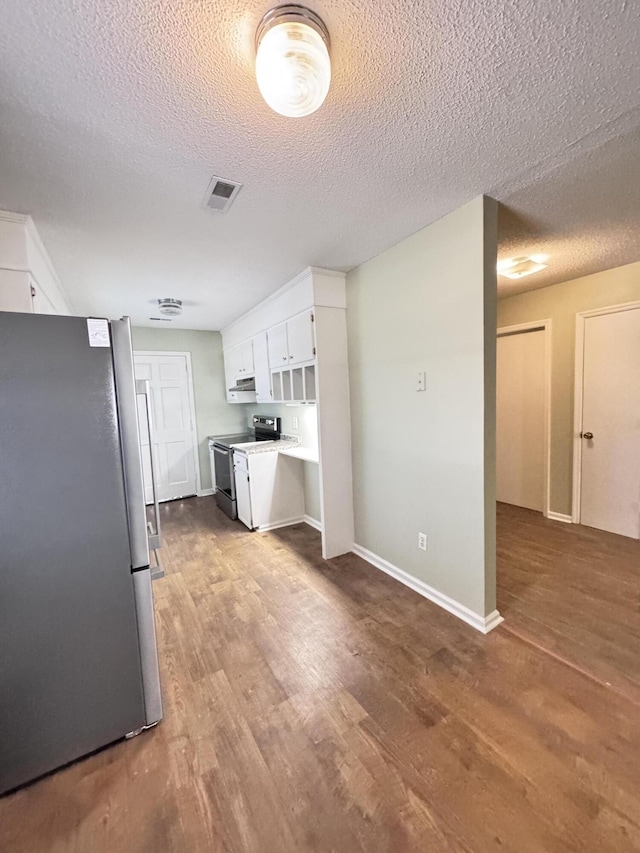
x: 78, y: 658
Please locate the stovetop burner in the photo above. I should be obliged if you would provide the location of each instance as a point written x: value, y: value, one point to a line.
x: 265, y: 428
x: 235, y: 438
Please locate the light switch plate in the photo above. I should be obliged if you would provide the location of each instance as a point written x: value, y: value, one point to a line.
x: 422, y: 381
x: 295, y: 423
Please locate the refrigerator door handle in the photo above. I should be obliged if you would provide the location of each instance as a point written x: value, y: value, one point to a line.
x: 130, y: 441
x: 142, y: 388
x: 148, y: 647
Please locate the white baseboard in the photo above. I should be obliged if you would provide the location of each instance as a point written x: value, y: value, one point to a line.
x: 312, y: 522
x: 265, y: 527
x: 559, y: 516
x: 204, y: 493
x: 484, y: 624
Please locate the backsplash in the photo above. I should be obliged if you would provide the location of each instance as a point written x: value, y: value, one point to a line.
x: 307, y: 420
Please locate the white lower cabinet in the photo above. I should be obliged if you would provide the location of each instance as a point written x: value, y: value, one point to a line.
x: 243, y: 492
x: 269, y: 489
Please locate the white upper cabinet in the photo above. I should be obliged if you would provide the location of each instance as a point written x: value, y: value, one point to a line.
x: 262, y: 372
x: 239, y: 361
x: 28, y: 281
x: 238, y: 365
x: 233, y: 363
x: 300, y: 338
x: 292, y: 342
x: 278, y: 346
x: 16, y: 293
x: 245, y: 363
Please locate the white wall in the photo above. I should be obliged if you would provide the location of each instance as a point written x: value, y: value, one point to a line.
x: 426, y: 461
x: 214, y: 416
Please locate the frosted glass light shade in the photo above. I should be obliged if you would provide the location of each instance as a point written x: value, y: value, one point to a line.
x: 520, y: 267
x: 293, y: 68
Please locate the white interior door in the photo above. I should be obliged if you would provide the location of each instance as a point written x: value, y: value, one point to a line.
x: 520, y: 419
x: 173, y: 431
x: 610, y: 469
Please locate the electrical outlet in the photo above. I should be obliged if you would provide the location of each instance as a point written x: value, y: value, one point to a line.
x: 421, y: 384
x: 296, y: 423
x: 422, y: 541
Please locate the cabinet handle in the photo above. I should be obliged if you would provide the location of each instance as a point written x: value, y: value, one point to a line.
x: 290, y: 356
x: 284, y: 358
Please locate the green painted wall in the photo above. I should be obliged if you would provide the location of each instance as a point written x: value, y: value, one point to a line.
x: 420, y: 459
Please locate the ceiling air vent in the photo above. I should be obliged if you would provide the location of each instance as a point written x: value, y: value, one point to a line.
x: 221, y: 194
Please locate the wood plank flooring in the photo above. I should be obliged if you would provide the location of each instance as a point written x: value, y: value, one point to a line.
x: 321, y: 706
x: 575, y: 591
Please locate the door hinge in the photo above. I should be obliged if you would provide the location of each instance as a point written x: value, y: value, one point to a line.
x: 33, y: 291
x: 314, y: 350
x: 312, y: 317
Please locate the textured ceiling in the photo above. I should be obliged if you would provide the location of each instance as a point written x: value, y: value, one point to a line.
x: 585, y: 215
x: 114, y: 115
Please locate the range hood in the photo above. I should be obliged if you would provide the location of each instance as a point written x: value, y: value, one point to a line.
x: 248, y: 384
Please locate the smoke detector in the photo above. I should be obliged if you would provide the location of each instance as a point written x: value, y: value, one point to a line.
x: 170, y: 307
x: 221, y: 194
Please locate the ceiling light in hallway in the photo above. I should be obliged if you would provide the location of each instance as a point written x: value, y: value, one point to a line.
x: 293, y: 68
x: 519, y: 267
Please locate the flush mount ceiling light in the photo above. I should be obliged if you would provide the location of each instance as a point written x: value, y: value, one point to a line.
x: 293, y: 68
x: 170, y: 307
x: 519, y: 267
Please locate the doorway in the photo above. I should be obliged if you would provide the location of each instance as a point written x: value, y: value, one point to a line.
x: 173, y: 417
x: 606, y: 471
x: 523, y: 415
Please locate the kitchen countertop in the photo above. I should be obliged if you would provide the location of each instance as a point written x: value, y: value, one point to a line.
x: 288, y: 445
x: 284, y: 444
x: 300, y: 453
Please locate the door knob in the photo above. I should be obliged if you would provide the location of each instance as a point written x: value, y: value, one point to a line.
x: 587, y: 435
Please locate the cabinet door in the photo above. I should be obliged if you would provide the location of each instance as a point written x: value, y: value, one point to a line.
x: 261, y: 365
x: 277, y: 489
x: 243, y: 497
x: 233, y: 364
x: 278, y: 350
x: 246, y: 358
x: 15, y: 291
x: 41, y: 304
x: 300, y: 337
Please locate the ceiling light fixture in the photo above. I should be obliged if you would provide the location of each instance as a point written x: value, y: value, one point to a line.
x: 170, y: 307
x: 519, y: 267
x: 293, y: 68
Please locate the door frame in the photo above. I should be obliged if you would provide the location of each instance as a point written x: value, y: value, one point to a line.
x: 545, y: 326
x: 578, y: 389
x: 192, y: 408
